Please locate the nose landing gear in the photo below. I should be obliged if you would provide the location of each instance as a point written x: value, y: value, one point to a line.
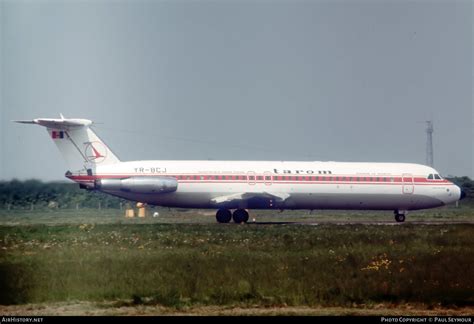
x: 399, y: 216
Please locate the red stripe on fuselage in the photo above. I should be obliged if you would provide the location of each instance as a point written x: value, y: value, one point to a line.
x: 293, y: 179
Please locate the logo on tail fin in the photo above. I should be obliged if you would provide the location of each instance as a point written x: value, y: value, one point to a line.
x: 95, y: 152
x: 55, y: 134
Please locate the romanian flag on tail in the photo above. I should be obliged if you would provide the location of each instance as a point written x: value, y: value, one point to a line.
x: 57, y: 134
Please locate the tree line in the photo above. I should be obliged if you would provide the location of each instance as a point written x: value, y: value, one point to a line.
x: 466, y: 184
x: 31, y: 194
x: 37, y: 194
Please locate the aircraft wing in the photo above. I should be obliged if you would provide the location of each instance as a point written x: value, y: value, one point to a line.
x: 277, y: 196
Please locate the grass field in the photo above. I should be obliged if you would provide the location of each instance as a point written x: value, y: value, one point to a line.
x: 21, y: 217
x: 182, y: 260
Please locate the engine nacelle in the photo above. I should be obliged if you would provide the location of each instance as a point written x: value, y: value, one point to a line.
x: 139, y: 184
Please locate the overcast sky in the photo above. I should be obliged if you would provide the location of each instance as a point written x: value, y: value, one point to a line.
x: 239, y: 80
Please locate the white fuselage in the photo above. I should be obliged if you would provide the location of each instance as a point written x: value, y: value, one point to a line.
x: 305, y: 185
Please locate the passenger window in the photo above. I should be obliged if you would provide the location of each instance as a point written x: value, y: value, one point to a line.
x: 268, y: 178
x: 251, y: 177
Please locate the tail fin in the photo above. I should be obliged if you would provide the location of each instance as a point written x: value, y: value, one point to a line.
x: 80, y: 146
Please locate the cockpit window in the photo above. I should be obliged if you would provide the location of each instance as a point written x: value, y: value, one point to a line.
x: 430, y: 177
x: 437, y: 177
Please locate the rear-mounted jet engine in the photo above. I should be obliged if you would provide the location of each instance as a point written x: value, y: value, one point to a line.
x: 138, y: 184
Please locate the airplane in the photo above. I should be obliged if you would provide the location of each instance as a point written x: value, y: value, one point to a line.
x: 239, y: 186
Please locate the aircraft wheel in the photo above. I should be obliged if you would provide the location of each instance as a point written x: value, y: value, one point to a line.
x: 223, y: 215
x: 400, y: 218
x: 240, y: 216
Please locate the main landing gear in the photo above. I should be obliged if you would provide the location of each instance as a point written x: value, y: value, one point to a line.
x: 399, y: 216
x: 239, y: 216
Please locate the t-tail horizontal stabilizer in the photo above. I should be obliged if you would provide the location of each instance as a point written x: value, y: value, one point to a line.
x: 80, y: 146
x: 57, y: 123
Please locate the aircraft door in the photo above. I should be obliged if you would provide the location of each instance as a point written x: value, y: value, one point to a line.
x: 408, y: 186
